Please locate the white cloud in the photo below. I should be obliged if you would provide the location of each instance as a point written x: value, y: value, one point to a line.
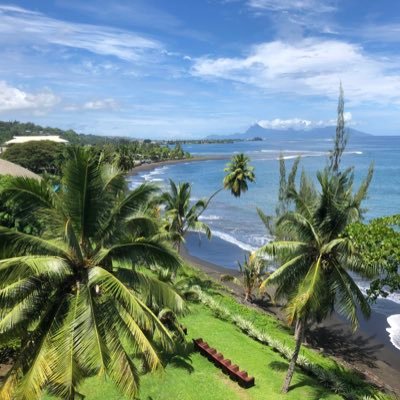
x: 20, y: 25
x: 105, y: 104
x: 310, y: 67
x: 315, y: 6
x: 14, y: 99
x: 298, y: 123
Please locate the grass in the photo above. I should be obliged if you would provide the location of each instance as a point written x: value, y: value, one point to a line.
x: 193, y: 377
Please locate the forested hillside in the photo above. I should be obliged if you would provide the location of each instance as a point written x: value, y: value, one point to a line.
x: 10, y: 129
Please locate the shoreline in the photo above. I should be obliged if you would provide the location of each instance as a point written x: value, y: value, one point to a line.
x: 360, y: 351
x: 149, y: 167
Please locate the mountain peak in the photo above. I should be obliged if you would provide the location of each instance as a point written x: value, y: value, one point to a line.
x: 256, y: 130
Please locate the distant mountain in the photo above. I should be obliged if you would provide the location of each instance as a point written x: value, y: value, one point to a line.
x: 257, y: 131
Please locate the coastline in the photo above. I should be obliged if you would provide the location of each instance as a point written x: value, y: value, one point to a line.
x: 359, y: 350
x: 149, y: 167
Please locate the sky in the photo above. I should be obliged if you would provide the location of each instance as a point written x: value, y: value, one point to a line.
x: 192, y: 68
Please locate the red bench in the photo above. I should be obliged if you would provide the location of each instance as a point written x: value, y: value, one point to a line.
x: 232, y: 370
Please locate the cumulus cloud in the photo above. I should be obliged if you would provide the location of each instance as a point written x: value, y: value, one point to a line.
x: 299, y: 123
x: 310, y: 66
x: 14, y: 99
x: 21, y: 25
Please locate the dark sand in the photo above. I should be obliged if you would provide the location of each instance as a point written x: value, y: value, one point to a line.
x: 367, y: 354
x: 154, y: 165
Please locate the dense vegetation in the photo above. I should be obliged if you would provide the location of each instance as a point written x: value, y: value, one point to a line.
x: 47, y: 156
x: 67, y: 294
x: 379, y: 245
x: 14, y: 128
x: 38, y: 157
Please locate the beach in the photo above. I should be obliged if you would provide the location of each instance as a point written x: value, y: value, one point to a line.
x: 147, y: 167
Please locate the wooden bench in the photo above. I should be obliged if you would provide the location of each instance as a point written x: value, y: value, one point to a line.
x: 218, y: 359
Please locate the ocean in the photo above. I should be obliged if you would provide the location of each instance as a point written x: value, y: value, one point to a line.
x: 234, y: 222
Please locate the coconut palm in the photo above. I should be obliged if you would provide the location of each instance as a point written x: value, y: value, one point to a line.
x: 181, y: 215
x: 238, y: 174
x: 253, y: 273
x: 318, y: 258
x: 75, y: 296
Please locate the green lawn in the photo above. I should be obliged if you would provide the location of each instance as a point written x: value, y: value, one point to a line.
x: 194, y: 377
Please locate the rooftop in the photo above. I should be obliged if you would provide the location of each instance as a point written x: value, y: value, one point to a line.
x: 9, y: 168
x: 24, y: 139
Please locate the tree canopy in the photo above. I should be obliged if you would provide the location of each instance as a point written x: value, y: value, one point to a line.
x: 78, y: 295
x: 37, y: 156
x: 378, y: 243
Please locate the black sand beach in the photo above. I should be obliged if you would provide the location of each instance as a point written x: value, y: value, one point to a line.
x: 154, y: 165
x: 372, y: 355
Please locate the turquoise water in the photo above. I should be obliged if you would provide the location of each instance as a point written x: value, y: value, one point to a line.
x: 235, y: 224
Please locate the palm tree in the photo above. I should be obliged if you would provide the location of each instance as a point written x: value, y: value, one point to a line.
x: 75, y: 296
x: 253, y: 273
x: 317, y: 256
x: 181, y: 214
x: 238, y: 174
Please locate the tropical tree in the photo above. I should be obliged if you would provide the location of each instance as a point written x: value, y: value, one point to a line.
x: 253, y: 273
x: 341, y: 137
x: 317, y: 256
x: 379, y: 245
x: 239, y: 173
x: 37, y: 156
x: 75, y: 296
x: 181, y: 215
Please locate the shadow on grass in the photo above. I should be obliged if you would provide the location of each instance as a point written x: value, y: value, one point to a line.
x: 278, y: 366
x: 181, y: 358
x: 318, y: 392
x: 182, y: 363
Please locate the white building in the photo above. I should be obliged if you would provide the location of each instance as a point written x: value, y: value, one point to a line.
x: 25, y: 139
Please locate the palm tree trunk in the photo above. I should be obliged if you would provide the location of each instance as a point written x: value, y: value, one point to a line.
x: 299, y: 339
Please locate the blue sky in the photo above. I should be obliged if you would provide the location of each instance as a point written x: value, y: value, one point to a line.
x: 189, y: 68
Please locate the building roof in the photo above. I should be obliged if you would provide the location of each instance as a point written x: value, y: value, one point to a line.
x: 24, y: 139
x: 9, y: 168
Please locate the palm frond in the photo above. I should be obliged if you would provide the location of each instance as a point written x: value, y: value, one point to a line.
x: 143, y: 316
x: 34, y: 380
x: 14, y: 243
x: 52, y: 269
x: 72, y: 241
x: 141, y: 251
x: 277, y: 248
x: 120, y: 367
x: 154, y: 291
x: 124, y: 208
x: 81, y: 188
x: 30, y: 194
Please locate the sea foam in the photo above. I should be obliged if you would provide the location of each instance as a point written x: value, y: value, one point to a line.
x: 394, y: 330
x: 236, y: 242
x: 209, y: 218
